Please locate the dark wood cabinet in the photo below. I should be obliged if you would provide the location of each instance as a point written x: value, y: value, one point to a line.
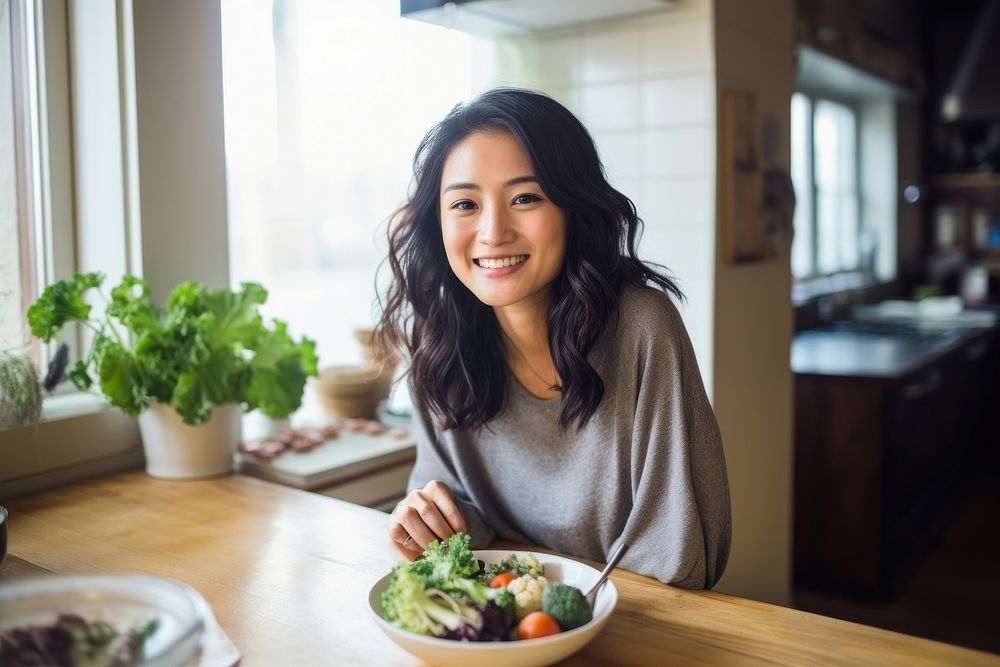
x: 880, y: 453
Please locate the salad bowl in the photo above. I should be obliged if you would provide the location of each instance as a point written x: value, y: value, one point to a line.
x: 519, y: 653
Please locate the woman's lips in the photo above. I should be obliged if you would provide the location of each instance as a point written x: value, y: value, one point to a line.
x: 499, y: 272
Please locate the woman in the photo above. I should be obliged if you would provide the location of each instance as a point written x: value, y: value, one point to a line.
x: 558, y: 401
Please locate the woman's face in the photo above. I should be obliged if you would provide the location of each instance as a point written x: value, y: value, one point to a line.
x: 505, y: 239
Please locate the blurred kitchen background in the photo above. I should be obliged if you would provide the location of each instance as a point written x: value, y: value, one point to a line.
x: 854, y: 365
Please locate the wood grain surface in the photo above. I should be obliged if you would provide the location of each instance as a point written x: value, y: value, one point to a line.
x: 287, y: 573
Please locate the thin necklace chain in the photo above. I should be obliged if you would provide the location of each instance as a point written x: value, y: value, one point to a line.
x: 554, y: 386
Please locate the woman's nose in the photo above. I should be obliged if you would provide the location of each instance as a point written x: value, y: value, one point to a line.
x: 494, y: 226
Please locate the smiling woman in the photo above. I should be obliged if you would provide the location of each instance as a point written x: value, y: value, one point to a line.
x: 559, y: 402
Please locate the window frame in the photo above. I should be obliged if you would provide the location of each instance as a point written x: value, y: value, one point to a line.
x: 881, y: 105
x: 813, y: 98
x: 46, y: 226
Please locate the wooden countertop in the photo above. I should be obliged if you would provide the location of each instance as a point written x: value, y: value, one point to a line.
x: 287, y: 573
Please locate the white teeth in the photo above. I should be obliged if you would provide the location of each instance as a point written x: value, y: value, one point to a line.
x: 501, y: 263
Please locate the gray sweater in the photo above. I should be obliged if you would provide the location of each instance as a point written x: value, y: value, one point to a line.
x: 647, y: 469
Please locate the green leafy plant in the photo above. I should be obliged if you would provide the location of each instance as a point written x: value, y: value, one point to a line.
x: 205, y: 347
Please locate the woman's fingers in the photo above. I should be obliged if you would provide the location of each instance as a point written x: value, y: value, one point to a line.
x: 415, y: 526
x: 397, y: 533
x: 426, y: 515
x: 441, y: 496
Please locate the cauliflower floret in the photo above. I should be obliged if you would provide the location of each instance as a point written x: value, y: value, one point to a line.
x: 526, y: 564
x: 527, y: 590
x: 530, y: 564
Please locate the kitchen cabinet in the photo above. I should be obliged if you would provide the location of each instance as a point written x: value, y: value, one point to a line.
x: 886, y: 426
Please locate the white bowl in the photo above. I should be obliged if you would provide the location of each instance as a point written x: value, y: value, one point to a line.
x: 124, y: 600
x: 522, y: 653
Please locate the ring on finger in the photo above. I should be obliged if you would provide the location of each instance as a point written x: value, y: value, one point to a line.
x: 409, y: 538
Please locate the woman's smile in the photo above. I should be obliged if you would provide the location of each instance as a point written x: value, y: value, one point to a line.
x: 497, y: 266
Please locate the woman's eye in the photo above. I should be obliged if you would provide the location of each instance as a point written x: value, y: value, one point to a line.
x: 526, y: 199
x: 463, y: 205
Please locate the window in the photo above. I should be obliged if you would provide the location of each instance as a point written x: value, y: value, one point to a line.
x: 825, y: 174
x: 18, y: 284
x: 325, y: 103
x: 37, y: 229
x: 843, y: 162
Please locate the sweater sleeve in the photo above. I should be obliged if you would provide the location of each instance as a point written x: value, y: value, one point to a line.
x: 679, y: 527
x: 434, y: 462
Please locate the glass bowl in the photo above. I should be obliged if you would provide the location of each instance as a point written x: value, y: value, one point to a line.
x: 126, y: 601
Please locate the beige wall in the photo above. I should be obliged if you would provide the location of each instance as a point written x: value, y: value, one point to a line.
x: 181, y: 170
x: 753, y: 324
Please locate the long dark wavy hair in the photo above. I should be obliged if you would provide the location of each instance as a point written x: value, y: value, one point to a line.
x: 457, y: 362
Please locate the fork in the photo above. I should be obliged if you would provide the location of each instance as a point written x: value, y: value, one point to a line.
x: 615, y: 557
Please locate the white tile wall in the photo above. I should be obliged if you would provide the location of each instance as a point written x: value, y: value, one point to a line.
x: 685, y: 252
x: 645, y: 89
x: 676, y: 152
x: 671, y: 203
x: 681, y: 47
x: 610, y: 106
x: 677, y: 100
x: 622, y: 156
x: 609, y: 55
x: 558, y: 58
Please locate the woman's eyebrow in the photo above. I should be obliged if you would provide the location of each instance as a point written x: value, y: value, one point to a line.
x: 473, y: 186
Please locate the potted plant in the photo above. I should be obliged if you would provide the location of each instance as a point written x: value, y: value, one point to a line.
x: 185, y: 368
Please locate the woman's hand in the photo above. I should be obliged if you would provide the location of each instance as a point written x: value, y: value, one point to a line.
x: 425, y: 515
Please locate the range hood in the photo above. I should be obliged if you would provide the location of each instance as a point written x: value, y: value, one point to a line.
x: 974, y: 93
x: 499, y: 18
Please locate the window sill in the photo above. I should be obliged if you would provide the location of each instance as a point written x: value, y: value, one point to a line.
x: 79, y: 436
x: 72, y: 404
x: 804, y: 291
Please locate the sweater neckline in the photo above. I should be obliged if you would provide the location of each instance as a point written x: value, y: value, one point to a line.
x: 527, y: 395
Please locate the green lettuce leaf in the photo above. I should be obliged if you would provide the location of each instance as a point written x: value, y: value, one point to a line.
x: 60, y: 303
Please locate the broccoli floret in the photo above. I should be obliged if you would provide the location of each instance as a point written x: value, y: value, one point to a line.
x: 464, y: 563
x: 427, y: 612
x: 441, y: 563
x: 508, y: 564
x: 433, y: 567
x: 528, y: 564
x: 567, y: 605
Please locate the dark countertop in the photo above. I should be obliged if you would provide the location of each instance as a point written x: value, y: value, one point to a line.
x: 888, y: 348
x: 850, y: 354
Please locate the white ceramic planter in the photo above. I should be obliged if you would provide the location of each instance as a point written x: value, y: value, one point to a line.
x: 175, y: 450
